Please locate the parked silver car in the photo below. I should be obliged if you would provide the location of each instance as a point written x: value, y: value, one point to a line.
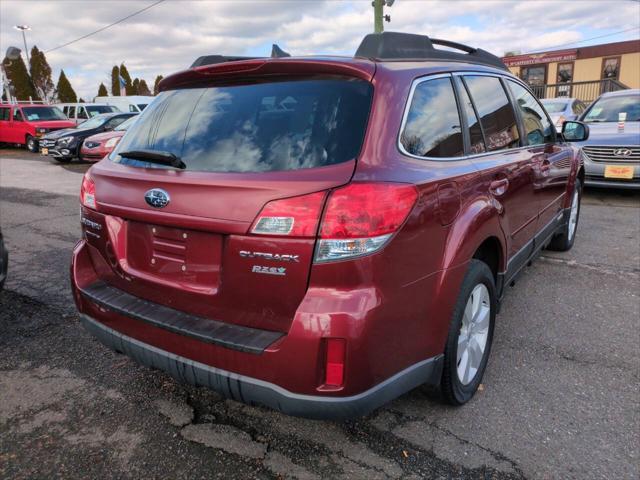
x: 612, y: 153
x: 562, y: 109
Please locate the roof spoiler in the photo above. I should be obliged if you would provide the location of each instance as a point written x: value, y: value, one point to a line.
x: 390, y: 46
x: 276, y: 52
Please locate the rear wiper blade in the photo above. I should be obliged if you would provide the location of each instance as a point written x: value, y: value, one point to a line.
x: 155, y: 156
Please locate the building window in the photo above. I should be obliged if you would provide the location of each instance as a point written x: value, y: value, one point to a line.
x: 611, y: 68
x: 534, y: 75
x: 565, y: 75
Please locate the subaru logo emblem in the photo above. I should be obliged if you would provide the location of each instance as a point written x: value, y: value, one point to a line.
x: 157, y: 198
x: 622, y: 152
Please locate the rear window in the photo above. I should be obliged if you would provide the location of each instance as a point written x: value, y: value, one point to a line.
x: 254, y: 128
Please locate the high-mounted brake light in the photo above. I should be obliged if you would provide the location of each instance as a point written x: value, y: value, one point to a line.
x: 291, y: 217
x: 361, y: 217
x: 88, y: 192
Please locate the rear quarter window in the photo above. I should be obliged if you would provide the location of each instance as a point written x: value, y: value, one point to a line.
x: 432, y: 127
x: 261, y: 127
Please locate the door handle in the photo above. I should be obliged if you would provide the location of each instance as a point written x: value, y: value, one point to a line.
x: 499, y: 187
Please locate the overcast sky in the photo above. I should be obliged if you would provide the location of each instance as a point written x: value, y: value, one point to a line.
x: 169, y: 36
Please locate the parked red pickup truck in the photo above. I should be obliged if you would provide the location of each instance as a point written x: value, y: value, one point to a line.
x: 25, y: 124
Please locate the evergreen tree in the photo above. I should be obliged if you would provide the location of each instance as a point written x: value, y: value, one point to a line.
x: 64, y: 90
x: 124, y: 73
x: 135, y: 87
x: 156, y: 83
x: 115, y: 81
x: 41, y: 74
x: 22, y: 86
x: 143, y: 88
x: 102, y: 91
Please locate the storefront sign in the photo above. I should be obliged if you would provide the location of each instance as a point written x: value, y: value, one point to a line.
x: 537, y: 58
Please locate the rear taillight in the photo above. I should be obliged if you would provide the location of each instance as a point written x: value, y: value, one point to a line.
x: 358, y: 219
x: 334, y: 367
x: 88, y: 192
x: 291, y: 217
x: 361, y: 217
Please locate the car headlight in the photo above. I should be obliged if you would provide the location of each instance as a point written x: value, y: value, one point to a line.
x: 112, y: 142
x: 65, y: 141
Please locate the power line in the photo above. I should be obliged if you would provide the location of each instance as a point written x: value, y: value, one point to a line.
x: 587, y: 39
x: 104, y: 28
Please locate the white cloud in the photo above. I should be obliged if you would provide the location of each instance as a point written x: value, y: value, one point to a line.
x: 171, y: 35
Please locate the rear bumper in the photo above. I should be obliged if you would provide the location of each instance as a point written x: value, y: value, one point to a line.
x: 253, y: 391
x: 285, y: 372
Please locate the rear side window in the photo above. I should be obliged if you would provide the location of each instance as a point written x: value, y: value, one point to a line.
x: 496, y: 114
x: 537, y: 126
x: 475, y: 131
x: 432, y: 127
x: 261, y: 127
x: 4, y: 114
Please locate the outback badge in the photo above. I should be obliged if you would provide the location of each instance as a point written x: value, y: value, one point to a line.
x: 157, y: 198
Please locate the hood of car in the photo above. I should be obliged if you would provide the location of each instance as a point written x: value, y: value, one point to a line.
x: 61, y: 133
x: 608, y: 133
x: 104, y: 136
x: 57, y: 124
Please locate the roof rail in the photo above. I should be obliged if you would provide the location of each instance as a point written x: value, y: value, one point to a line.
x: 390, y: 46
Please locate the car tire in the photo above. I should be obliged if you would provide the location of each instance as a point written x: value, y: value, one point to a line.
x: 470, y: 335
x: 31, y: 144
x: 563, y: 241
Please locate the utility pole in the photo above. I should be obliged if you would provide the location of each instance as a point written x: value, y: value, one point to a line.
x: 23, y: 28
x: 378, y: 14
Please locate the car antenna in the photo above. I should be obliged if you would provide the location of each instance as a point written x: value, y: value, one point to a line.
x: 277, y: 52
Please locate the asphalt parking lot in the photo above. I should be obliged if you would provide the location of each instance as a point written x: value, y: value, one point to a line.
x: 560, y: 399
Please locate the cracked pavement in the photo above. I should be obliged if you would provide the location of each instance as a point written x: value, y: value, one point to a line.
x: 560, y: 398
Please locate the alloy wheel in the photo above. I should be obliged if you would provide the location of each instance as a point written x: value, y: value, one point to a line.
x: 473, y: 335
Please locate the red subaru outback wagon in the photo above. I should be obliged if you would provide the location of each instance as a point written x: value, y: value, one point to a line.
x: 321, y: 235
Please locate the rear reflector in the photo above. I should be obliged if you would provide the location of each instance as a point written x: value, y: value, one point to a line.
x: 334, y: 376
x: 293, y: 217
x: 88, y: 192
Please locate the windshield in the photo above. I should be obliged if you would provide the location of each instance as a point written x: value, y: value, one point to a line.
x: 607, y: 109
x: 98, y: 109
x: 254, y: 128
x: 555, y: 107
x: 34, y: 114
x: 94, y: 122
x: 126, y: 124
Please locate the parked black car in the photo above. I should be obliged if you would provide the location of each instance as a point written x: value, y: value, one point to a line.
x: 64, y: 145
x: 4, y: 262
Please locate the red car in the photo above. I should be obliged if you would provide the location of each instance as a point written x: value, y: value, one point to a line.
x: 24, y: 124
x: 98, y: 146
x: 321, y: 235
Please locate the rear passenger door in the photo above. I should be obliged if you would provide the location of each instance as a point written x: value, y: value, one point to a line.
x: 551, y: 161
x: 507, y: 170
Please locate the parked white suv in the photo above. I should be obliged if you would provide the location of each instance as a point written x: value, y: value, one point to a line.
x: 79, y: 112
x: 131, y: 103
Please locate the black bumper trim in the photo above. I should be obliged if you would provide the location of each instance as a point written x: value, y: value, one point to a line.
x: 236, y: 337
x: 253, y: 391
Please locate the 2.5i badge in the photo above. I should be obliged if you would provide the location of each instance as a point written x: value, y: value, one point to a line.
x: 269, y: 270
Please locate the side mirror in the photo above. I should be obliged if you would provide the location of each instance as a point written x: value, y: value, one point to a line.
x: 574, y: 131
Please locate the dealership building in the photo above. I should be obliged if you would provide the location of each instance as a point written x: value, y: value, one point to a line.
x: 583, y: 72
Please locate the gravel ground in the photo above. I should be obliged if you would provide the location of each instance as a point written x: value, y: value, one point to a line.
x: 560, y: 398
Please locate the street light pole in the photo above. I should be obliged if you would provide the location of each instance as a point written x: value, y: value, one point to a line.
x: 23, y: 28
x: 378, y: 14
